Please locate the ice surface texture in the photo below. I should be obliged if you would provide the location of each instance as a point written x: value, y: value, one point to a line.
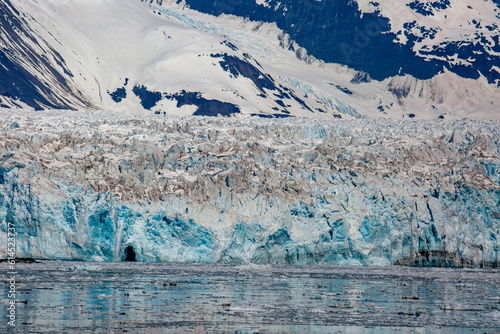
x: 88, y: 185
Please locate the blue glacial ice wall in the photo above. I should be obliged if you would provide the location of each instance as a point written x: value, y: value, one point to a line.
x: 248, y: 190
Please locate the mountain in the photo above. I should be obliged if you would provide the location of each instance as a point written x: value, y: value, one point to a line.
x: 397, y: 59
x: 124, y: 55
x: 420, y: 38
x: 132, y: 171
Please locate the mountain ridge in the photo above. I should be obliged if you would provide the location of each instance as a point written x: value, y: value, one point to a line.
x: 90, y: 50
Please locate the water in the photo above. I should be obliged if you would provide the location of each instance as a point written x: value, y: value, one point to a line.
x: 67, y: 297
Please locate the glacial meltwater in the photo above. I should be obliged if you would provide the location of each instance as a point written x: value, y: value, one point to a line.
x: 118, y: 297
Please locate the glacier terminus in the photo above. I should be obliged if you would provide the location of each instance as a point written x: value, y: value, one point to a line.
x: 103, y: 186
x: 250, y: 166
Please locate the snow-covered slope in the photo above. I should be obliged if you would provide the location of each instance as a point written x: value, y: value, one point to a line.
x: 462, y: 34
x: 164, y: 57
x: 32, y: 72
x: 427, y: 58
x: 94, y: 186
x: 127, y: 56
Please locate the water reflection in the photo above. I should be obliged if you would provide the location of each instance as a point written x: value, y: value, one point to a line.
x: 159, y: 298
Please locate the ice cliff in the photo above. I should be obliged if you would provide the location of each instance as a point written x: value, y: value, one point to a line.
x: 95, y: 186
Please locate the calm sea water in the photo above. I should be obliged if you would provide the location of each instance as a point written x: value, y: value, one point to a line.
x: 68, y: 297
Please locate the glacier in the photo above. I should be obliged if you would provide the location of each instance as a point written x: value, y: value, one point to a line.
x: 97, y: 185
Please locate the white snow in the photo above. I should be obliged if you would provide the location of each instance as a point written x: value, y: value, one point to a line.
x: 452, y: 24
x: 168, y: 49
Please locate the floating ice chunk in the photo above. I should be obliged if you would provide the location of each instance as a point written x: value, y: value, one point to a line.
x: 84, y: 267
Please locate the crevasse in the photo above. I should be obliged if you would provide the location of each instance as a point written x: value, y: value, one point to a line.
x: 246, y: 190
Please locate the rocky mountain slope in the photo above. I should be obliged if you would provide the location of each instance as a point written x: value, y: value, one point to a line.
x: 329, y: 59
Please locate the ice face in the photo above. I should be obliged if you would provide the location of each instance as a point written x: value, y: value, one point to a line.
x: 248, y: 190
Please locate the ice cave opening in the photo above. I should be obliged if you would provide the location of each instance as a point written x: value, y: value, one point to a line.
x: 130, y: 254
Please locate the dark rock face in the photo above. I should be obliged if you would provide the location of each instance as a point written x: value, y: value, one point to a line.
x: 336, y: 32
x: 426, y: 8
x: 148, y: 98
x: 121, y: 93
x: 16, y: 81
x: 237, y: 67
x: 118, y: 95
x: 205, y: 107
